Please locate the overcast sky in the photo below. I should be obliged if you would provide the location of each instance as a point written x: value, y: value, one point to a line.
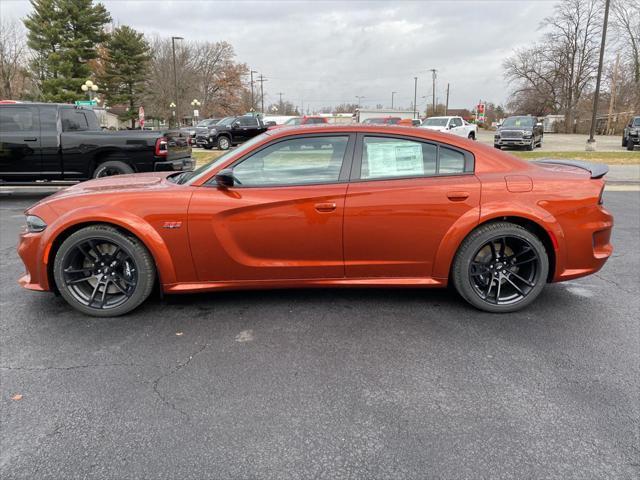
x: 326, y: 53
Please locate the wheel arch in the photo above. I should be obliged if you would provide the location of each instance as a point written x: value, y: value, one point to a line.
x: 452, y: 241
x: 107, y: 154
x: 140, y: 230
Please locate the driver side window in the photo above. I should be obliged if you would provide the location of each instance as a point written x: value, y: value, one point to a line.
x: 297, y: 161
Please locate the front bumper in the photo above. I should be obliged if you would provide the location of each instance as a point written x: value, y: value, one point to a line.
x: 33, y: 258
x: 182, y: 164
x: 633, y: 138
x: 204, y: 142
x: 512, y: 142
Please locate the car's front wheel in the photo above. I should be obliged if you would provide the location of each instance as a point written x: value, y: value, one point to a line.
x: 624, y: 141
x: 100, y: 271
x: 500, y: 267
x: 224, y: 143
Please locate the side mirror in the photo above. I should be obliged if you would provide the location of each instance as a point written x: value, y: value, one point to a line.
x: 539, y: 124
x: 225, y: 178
x: 235, y: 125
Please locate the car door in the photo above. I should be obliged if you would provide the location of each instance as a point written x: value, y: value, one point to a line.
x: 20, y: 153
x: 404, y: 196
x: 456, y: 126
x: 74, y: 143
x: 247, y: 129
x: 283, y: 217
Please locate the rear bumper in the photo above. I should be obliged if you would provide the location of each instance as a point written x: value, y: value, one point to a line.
x: 587, y: 243
x: 181, y: 164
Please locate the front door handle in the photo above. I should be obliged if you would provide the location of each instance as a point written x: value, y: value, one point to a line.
x: 457, y: 196
x: 30, y: 139
x: 325, y: 207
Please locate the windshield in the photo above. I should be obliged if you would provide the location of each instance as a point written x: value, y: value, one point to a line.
x: 435, y: 122
x: 190, y: 177
x: 226, y: 121
x: 206, y: 123
x: 636, y: 122
x: 519, y: 122
x: 293, y: 121
x: 374, y: 120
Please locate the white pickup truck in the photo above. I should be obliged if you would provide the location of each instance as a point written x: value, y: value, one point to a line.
x: 453, y: 125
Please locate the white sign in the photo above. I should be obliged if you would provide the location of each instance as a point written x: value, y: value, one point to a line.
x: 196, y: 113
x: 394, y: 159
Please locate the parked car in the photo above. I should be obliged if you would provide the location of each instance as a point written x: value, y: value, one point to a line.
x: 454, y: 125
x: 201, y: 127
x: 306, y: 120
x: 325, y: 206
x: 230, y: 131
x: 382, y: 121
x: 631, y: 134
x: 45, y: 141
x: 519, y: 131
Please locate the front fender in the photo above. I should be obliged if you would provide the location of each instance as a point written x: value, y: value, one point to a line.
x: 134, y: 224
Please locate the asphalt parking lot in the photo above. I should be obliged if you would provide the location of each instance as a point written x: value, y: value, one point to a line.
x: 325, y: 383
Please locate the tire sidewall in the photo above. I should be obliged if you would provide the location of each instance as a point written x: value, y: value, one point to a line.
x: 470, y: 247
x: 122, y: 167
x: 224, y: 143
x: 141, y: 257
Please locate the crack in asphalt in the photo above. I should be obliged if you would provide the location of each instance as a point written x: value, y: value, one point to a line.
x: 76, y: 367
x: 171, y: 372
x: 612, y: 283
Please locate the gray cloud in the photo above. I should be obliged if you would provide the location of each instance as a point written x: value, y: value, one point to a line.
x: 328, y: 52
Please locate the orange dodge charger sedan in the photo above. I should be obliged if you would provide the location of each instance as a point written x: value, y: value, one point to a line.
x: 325, y: 206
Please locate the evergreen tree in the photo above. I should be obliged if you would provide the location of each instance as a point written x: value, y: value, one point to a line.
x: 64, y: 35
x: 126, y: 64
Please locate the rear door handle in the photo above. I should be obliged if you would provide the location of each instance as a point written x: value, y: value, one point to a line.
x: 457, y: 196
x: 325, y: 207
x: 30, y: 139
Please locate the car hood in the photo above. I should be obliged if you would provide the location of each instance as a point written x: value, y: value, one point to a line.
x: 114, y: 184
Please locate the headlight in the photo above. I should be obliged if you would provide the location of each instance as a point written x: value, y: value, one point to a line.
x: 212, y: 131
x: 35, y: 224
x: 527, y: 134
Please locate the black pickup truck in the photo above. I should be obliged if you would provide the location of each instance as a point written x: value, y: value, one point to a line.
x: 631, y: 134
x: 230, y: 131
x: 519, y: 131
x: 59, y: 142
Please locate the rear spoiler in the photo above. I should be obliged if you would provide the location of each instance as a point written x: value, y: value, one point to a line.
x: 597, y: 170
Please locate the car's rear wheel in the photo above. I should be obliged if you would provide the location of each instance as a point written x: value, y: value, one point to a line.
x: 112, y: 167
x: 102, y: 272
x: 500, y: 267
x: 472, y: 136
x: 224, y: 143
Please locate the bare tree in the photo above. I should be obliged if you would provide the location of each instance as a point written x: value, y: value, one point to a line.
x: 13, y: 52
x: 626, y: 24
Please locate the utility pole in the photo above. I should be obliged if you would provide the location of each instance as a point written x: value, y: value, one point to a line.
x: 433, y: 78
x: 446, y: 106
x: 252, y: 100
x: 359, y: 97
x: 280, y: 104
x: 415, y: 95
x: 612, y: 101
x: 175, y: 77
x: 392, y: 94
x: 262, y: 80
x: 591, y: 143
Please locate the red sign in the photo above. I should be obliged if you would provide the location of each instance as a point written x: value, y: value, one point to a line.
x: 141, y: 116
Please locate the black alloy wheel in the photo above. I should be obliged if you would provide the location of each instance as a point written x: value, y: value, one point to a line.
x: 102, y: 272
x: 500, y: 267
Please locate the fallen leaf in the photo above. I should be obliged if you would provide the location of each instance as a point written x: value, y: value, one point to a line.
x: 16, y: 396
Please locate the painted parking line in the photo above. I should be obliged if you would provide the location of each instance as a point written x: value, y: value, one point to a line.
x: 634, y: 187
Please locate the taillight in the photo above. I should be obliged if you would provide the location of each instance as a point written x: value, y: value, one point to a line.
x: 161, y: 147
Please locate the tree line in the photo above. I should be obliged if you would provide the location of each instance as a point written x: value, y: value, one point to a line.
x: 556, y: 75
x: 71, y: 41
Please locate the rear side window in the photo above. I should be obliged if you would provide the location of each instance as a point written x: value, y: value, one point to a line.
x: 314, y: 120
x: 456, y: 122
x: 49, y: 120
x: 385, y: 157
x: 248, y: 121
x: 74, y: 120
x: 19, y: 120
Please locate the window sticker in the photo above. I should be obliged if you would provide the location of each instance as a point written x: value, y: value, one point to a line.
x: 394, y: 159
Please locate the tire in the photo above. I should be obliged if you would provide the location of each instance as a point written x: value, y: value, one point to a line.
x: 497, y: 146
x: 110, y: 168
x: 470, y: 276
x: 127, y: 284
x: 472, y: 136
x: 624, y: 141
x: 224, y: 143
x: 630, y: 145
x: 207, y: 147
x: 531, y: 146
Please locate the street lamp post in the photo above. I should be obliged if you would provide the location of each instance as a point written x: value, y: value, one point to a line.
x: 175, y: 75
x: 195, y: 104
x: 90, y: 88
x: 172, y: 106
x: 252, y: 97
